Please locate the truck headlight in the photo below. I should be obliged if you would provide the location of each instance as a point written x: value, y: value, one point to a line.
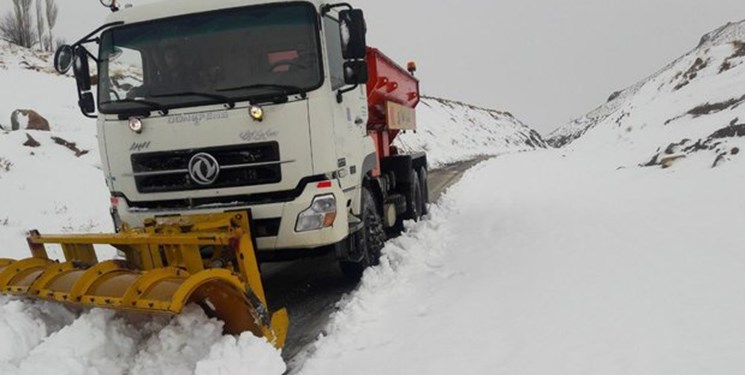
x: 321, y: 214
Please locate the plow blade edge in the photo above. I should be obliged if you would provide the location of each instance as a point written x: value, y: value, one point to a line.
x: 207, y: 260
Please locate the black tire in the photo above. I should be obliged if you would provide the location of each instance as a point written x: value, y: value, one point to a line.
x: 372, y: 239
x: 424, y: 186
x: 414, y: 199
x: 415, y: 206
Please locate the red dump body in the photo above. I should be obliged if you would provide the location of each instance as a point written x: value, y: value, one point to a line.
x: 387, y: 82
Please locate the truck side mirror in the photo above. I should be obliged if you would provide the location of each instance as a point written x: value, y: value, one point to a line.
x: 81, y: 69
x: 83, y: 78
x: 86, y: 103
x: 63, y: 59
x: 355, y: 72
x: 353, y: 34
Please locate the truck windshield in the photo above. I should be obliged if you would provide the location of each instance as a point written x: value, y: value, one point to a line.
x: 216, y: 57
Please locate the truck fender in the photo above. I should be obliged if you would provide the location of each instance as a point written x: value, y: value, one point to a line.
x: 369, y: 163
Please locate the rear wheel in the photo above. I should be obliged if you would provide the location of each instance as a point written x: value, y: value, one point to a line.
x: 424, y: 186
x: 415, y: 205
x: 371, y: 239
x: 415, y: 199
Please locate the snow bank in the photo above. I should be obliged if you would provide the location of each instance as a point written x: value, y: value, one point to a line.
x: 40, y: 338
x: 451, y: 131
x: 23, y: 326
x: 576, y: 260
x: 247, y: 354
x: 542, y: 264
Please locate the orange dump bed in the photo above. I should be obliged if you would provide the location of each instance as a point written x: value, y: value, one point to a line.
x: 387, y: 82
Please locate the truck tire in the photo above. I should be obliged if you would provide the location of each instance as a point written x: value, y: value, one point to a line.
x: 372, y: 239
x: 414, y: 206
x: 424, y: 186
x: 414, y: 199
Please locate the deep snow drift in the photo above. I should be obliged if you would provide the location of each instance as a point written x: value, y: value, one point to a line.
x: 542, y: 264
x: 621, y: 253
x: 39, y: 338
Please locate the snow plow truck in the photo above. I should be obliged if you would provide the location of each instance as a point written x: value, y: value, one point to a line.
x: 231, y: 133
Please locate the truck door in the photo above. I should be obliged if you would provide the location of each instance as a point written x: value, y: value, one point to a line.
x: 349, y: 116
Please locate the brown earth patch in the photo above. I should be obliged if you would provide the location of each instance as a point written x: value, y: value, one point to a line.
x: 739, y: 52
x: 709, y: 108
x: 691, y: 73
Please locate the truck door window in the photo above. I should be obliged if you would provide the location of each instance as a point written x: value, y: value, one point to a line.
x: 333, y: 46
x: 123, y: 73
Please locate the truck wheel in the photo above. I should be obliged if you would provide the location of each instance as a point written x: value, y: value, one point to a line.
x: 372, y: 239
x: 414, y: 200
x: 424, y: 185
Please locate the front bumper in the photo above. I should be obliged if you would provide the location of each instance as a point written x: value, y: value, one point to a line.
x: 275, y: 221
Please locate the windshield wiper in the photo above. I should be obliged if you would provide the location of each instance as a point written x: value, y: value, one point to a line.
x: 150, y: 104
x: 222, y: 98
x: 286, y: 90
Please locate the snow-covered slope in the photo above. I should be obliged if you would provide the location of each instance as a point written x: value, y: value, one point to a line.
x: 690, y: 109
x: 51, y: 188
x: 46, y: 187
x: 451, y: 131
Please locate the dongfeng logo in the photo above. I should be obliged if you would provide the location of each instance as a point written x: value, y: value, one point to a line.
x: 204, y: 168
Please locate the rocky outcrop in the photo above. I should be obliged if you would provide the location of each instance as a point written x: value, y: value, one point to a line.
x: 28, y: 119
x: 695, y: 66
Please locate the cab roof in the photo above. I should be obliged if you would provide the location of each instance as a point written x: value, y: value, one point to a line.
x: 172, y: 8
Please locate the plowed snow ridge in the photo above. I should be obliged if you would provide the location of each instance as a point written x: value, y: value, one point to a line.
x: 40, y: 338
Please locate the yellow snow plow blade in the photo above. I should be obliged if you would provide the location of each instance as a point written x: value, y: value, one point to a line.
x: 208, y: 260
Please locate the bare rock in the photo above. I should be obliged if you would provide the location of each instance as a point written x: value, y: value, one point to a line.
x: 28, y: 119
x: 70, y: 146
x: 31, y: 142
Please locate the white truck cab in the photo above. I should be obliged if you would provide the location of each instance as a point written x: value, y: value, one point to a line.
x: 239, y: 105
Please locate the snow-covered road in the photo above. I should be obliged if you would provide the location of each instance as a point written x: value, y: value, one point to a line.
x: 535, y: 263
x: 310, y: 288
x: 549, y: 263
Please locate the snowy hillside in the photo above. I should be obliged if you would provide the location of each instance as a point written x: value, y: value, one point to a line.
x: 691, y: 109
x: 451, y: 131
x: 52, y: 181
x: 43, y: 184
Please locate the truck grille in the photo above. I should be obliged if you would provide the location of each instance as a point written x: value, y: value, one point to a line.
x: 243, y: 165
